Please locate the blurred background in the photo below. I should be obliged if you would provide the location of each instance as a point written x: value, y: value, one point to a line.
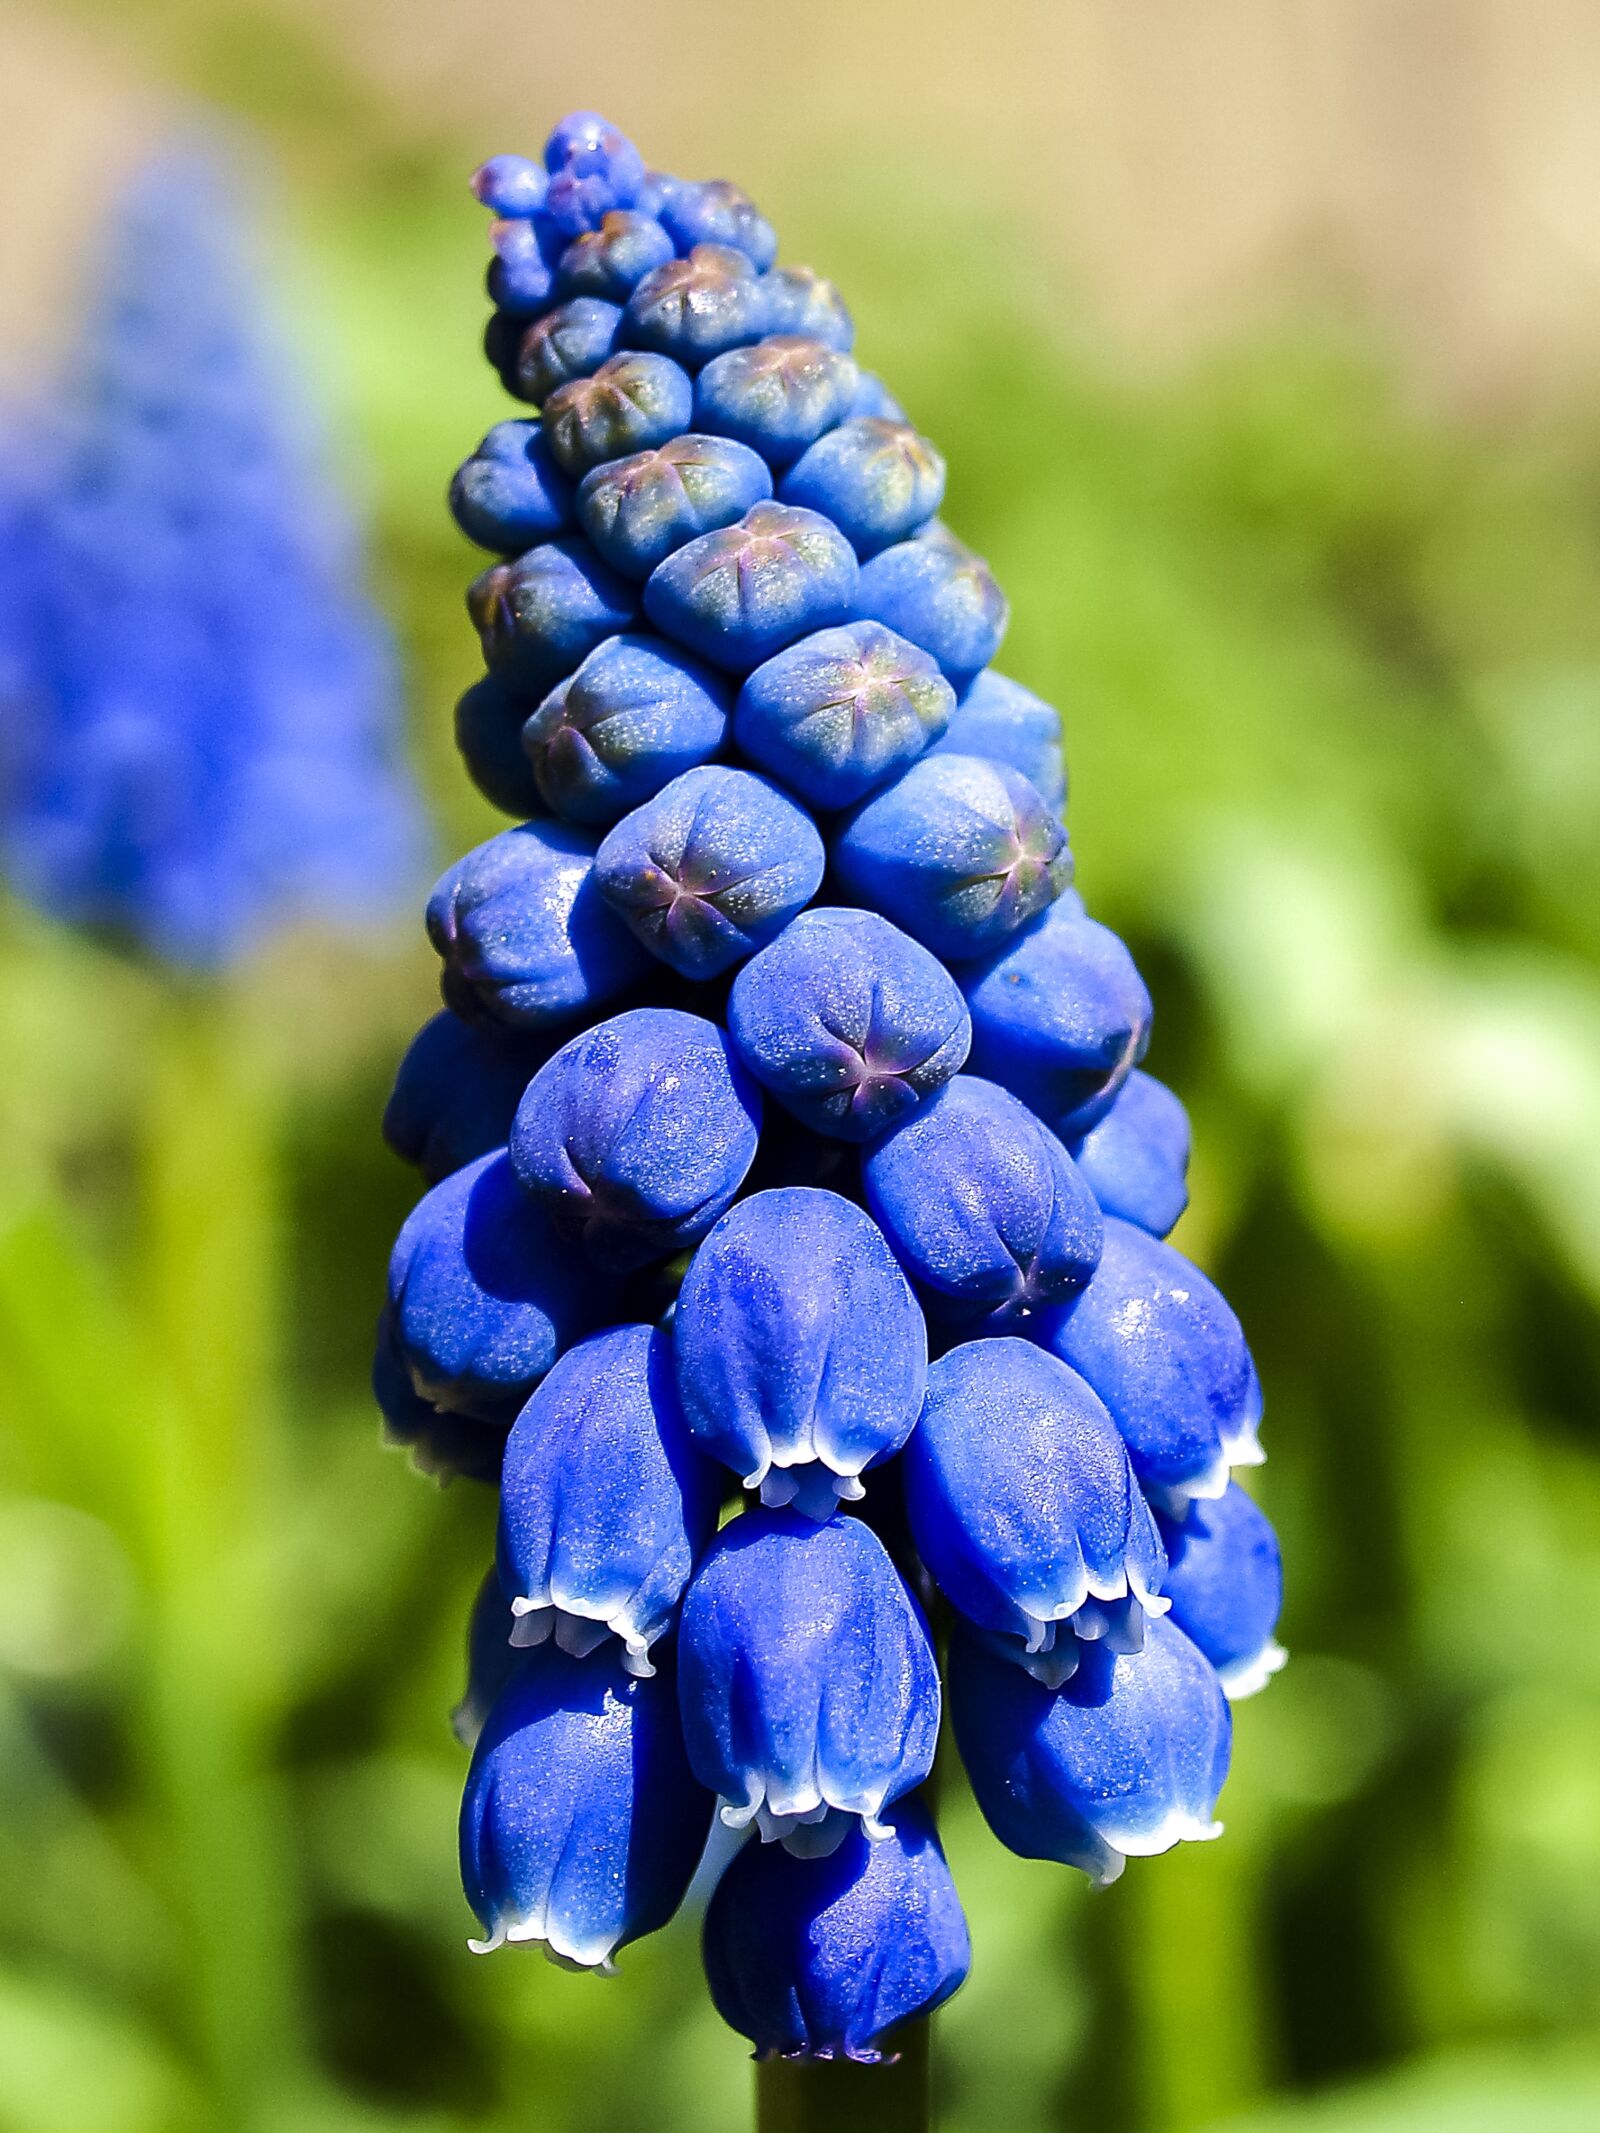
x: 1263, y: 338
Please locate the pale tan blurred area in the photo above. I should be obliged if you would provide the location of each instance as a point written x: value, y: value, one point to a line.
x: 1187, y: 162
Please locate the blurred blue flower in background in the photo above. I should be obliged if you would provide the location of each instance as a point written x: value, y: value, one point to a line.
x: 202, y: 706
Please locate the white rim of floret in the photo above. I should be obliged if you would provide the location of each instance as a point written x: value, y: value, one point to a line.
x: 1174, y: 1497
x: 1179, y: 1825
x: 538, y: 1929
x: 1045, y: 1618
x: 806, y: 1482
x: 806, y: 1820
x: 580, y: 1628
x: 1242, y: 1446
x: 1248, y: 1677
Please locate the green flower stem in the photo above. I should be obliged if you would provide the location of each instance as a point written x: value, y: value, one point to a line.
x: 836, y: 2097
x: 209, y: 1252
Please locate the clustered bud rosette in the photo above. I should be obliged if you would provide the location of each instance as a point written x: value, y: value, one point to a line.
x: 790, y: 1157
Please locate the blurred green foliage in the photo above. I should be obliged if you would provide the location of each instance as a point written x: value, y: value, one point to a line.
x: 1331, y: 679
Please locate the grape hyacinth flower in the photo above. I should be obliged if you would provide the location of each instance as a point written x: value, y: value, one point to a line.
x: 201, y: 709
x: 737, y: 664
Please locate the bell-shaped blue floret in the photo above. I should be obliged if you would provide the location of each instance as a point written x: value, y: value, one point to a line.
x: 958, y: 851
x: 605, y: 1503
x: 1024, y: 1507
x: 935, y: 591
x: 611, y: 260
x: 483, y: 1293
x: 524, y: 932
x: 983, y: 1206
x: 799, y: 300
x: 637, y: 1134
x: 741, y: 594
x: 777, y: 397
x: 715, y: 865
x: 692, y: 309
x: 631, y: 403
x: 582, y: 1823
x: 492, y: 1659
x: 638, y: 511
x: 637, y: 714
x: 511, y: 494
x: 490, y: 717
x: 442, y: 1444
x: 809, y: 1687
x: 1135, y: 1158
x: 848, y: 1022
x: 1060, y: 1017
x: 878, y: 481
x: 802, y: 1356
x: 569, y: 342
x: 1000, y: 719
x: 1225, y: 1582
x: 718, y: 212
x: 822, y: 1958
x: 1122, y: 1762
x: 1161, y: 1347
x: 839, y: 712
x: 457, y: 1091
x: 539, y: 616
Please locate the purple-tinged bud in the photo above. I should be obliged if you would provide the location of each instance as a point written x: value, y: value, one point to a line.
x: 777, y: 397
x: 630, y: 403
x: 874, y: 398
x: 692, y: 309
x: 521, y: 278
x: 802, y: 1356
x: 457, y: 1092
x: 800, y: 300
x: 611, y: 260
x: 1135, y: 1158
x: 720, y: 213
x: 637, y: 714
x: 569, y: 342
x: 489, y: 720
x: 998, y: 718
x: 443, y: 1444
x: 839, y: 712
x: 878, y: 481
x: 638, y: 511
x: 511, y: 494
x: 808, y: 1683
x: 741, y: 594
x: 935, y: 591
x: 510, y: 186
x: 541, y: 615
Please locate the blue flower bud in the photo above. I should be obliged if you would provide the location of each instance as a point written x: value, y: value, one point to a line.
x: 958, y: 851
x: 490, y: 717
x: 873, y: 398
x: 457, y: 1092
x: 799, y: 300
x: 842, y: 710
x: 717, y: 212
x: 483, y: 1294
x: 820, y: 1958
x: 510, y: 185
x: 524, y: 932
x: 692, y: 309
x: 848, y: 1022
x: 637, y: 511
x: 630, y: 403
x: 802, y: 1356
x: 1024, y: 1507
x: 777, y: 396
x: 492, y: 1659
x: 878, y: 481
x: 983, y: 1206
x: 741, y: 594
x: 604, y: 1501
x: 593, y: 169
x: 511, y: 494
x: 1225, y: 1582
x: 539, y: 616
x: 588, y: 140
x: 1162, y: 1348
x: 568, y: 342
x: 611, y: 260
x: 582, y: 1825
x: 713, y: 866
x: 636, y: 714
x: 808, y: 1684
x: 1135, y: 1158
x: 1059, y: 1017
x: 442, y: 1444
x: 521, y: 277
x: 998, y: 718
x: 637, y: 1134
x: 1124, y: 1761
x: 935, y: 591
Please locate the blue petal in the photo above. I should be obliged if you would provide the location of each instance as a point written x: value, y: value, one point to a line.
x: 457, y: 1091
x: 1123, y: 1762
x: 1135, y: 1158
x: 935, y: 591
x: 442, y: 1444
x: 983, y: 1206
x: 490, y: 717
x: 809, y: 1686
x: 998, y: 718
x: 1225, y: 1581
x: 492, y: 1659
x: 799, y: 300
x: 1025, y: 1509
x: 820, y: 1958
x: 802, y: 1356
x: 604, y: 1501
